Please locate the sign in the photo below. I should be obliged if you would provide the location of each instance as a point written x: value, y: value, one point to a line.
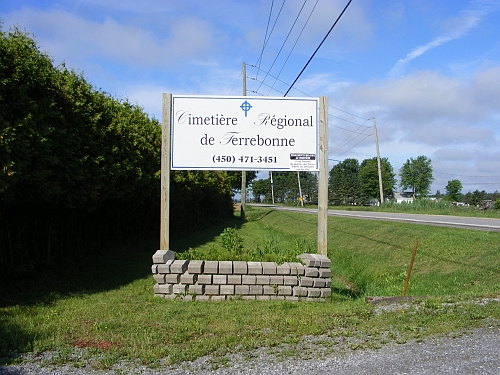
x: 244, y: 133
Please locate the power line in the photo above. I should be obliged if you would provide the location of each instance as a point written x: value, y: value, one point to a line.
x: 269, y: 37
x: 265, y: 36
x: 283, y: 45
x: 306, y: 94
x: 296, y: 41
x: 312, y: 56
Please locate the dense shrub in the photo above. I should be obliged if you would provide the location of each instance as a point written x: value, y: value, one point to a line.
x: 80, y: 168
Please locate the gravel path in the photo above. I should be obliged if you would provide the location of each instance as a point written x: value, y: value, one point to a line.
x: 477, y: 352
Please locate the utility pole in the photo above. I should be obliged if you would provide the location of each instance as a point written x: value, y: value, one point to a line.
x: 272, y: 185
x: 300, y: 189
x: 244, y: 173
x: 378, y: 163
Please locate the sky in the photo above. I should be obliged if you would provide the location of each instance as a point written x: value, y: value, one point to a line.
x: 426, y: 72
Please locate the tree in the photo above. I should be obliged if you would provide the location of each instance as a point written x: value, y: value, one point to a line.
x: 261, y: 190
x: 234, y: 178
x: 454, y: 190
x: 416, y: 174
x: 343, y: 185
x: 369, y: 182
x: 477, y: 197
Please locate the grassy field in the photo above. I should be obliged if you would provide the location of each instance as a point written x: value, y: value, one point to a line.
x: 425, y: 206
x: 106, y: 306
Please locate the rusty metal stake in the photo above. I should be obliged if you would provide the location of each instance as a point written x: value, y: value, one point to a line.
x: 410, y: 267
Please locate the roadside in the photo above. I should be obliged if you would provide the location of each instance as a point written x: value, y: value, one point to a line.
x: 471, y: 352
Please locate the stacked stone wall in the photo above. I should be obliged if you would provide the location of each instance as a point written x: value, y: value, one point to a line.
x: 198, y: 280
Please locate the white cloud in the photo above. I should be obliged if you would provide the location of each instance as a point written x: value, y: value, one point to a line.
x: 65, y: 35
x: 456, y: 28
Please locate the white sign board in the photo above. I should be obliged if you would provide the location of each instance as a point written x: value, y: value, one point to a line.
x: 244, y: 133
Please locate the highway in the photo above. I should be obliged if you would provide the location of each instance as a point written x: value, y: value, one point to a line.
x: 476, y: 223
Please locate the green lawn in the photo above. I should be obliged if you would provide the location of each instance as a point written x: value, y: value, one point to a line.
x: 106, y: 304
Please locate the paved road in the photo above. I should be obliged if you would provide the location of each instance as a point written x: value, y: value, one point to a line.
x: 476, y: 223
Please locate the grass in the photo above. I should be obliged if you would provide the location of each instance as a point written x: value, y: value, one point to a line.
x: 106, y: 307
x: 425, y: 206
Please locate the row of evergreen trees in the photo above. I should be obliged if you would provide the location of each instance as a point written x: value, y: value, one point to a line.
x: 80, y: 168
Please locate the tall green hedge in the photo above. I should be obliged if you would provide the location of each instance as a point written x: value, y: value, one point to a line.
x: 80, y: 168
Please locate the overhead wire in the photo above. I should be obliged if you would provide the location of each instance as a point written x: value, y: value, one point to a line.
x: 308, y: 95
x: 317, y: 49
x: 265, y: 37
x: 284, y: 42
x: 296, y: 41
x: 270, y: 33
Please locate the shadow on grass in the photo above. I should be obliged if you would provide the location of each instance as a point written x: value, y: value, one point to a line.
x: 105, y: 269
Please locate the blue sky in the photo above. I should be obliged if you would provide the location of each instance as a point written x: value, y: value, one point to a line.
x: 428, y: 71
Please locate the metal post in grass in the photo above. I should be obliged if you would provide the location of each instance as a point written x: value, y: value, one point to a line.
x: 323, y: 176
x: 409, y: 268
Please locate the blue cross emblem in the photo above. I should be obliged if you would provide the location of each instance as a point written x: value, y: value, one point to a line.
x: 245, y: 107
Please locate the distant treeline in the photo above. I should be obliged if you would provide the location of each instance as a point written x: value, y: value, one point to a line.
x: 80, y: 168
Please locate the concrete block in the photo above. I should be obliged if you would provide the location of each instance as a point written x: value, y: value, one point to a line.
x: 186, y: 298
x: 276, y: 280
x: 217, y: 298
x: 328, y: 283
x: 196, y: 289
x: 202, y: 298
x: 311, y: 272
x: 248, y: 279
x: 195, y: 266
x: 212, y: 289
x: 240, y: 267
x: 325, y: 292
x: 205, y: 279
x: 306, y: 281
x: 179, y: 266
x: 263, y: 298
x: 279, y: 298
x: 241, y: 289
x: 173, y: 278
x: 254, y: 268
x: 325, y: 261
x: 219, y: 279
x: 234, y: 279
x: 284, y: 290
x: 171, y: 297
x: 226, y: 289
x: 299, y: 291
x: 269, y: 290
x: 283, y: 269
x: 161, y: 256
x: 156, y: 288
x: 165, y: 267
x: 255, y: 289
x: 296, y: 269
x: 159, y: 278
x: 262, y: 280
x: 309, y: 260
x: 313, y: 292
x: 268, y: 268
x: 319, y: 283
x: 225, y: 267
x: 211, y: 267
x: 154, y: 268
x: 325, y: 272
x: 292, y: 298
x: 188, y: 278
x: 180, y: 288
x: 248, y: 298
x: 290, y: 280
